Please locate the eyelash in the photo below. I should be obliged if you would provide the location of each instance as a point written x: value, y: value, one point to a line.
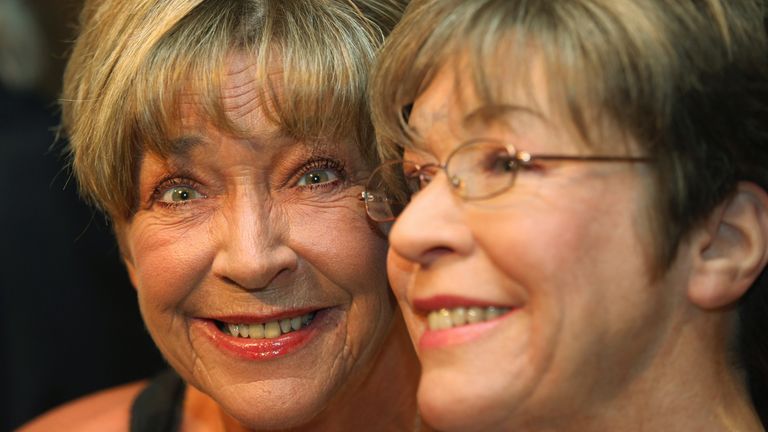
x: 174, y: 180
x: 319, y: 164
x: 171, y: 182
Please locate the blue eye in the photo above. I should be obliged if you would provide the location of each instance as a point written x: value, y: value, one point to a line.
x: 318, y: 177
x: 180, y: 194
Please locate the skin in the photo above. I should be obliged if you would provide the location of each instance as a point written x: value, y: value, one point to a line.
x: 591, y: 342
x: 252, y: 227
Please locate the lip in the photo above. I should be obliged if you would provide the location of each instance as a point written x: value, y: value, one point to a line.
x: 263, y: 349
x: 436, y: 339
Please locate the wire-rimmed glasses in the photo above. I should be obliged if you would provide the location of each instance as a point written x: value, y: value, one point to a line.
x: 477, y: 169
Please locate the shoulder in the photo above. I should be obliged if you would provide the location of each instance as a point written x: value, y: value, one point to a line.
x: 107, y: 410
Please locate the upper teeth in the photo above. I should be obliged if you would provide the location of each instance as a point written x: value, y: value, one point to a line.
x: 270, y: 329
x: 447, y: 318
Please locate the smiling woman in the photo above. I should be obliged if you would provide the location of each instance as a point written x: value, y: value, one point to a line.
x: 580, y: 203
x: 227, y: 141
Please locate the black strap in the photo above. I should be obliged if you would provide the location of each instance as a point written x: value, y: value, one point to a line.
x: 158, y: 408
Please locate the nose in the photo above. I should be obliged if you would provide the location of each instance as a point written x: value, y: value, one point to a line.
x: 252, y: 250
x: 432, y: 225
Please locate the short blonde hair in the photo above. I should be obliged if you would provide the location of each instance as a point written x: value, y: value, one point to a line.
x: 685, y: 78
x: 132, y: 59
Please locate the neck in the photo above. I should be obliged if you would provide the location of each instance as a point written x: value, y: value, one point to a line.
x: 690, y: 383
x: 381, y: 398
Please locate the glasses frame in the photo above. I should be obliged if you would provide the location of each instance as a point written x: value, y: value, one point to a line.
x: 517, y: 160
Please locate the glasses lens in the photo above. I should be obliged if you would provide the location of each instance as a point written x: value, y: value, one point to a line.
x: 389, y: 190
x: 481, y: 169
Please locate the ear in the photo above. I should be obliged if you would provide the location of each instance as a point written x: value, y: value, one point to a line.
x: 730, y: 249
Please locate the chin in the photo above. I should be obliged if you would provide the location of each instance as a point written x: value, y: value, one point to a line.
x: 279, y: 413
x: 462, y: 404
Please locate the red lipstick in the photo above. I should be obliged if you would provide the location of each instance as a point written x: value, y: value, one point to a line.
x: 261, y: 349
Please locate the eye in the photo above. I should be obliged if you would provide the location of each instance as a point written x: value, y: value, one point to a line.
x: 505, y: 164
x: 175, y: 192
x: 179, y: 194
x: 320, y: 173
x: 318, y: 177
x: 498, y: 163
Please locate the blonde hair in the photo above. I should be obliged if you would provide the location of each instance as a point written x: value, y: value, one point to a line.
x: 133, y: 59
x: 662, y: 72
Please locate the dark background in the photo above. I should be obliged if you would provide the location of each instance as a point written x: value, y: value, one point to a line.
x: 69, y: 322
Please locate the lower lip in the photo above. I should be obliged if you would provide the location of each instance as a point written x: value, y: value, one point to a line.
x: 262, y: 349
x: 434, y: 339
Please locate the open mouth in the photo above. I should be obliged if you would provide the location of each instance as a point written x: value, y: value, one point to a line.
x: 446, y: 318
x: 267, y: 330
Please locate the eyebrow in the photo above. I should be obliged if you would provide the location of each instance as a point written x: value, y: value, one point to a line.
x: 183, y: 145
x: 479, y: 117
x: 487, y: 114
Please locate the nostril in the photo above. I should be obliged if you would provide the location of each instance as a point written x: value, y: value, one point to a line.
x: 433, y: 254
x: 256, y: 281
x: 253, y: 265
x: 229, y: 281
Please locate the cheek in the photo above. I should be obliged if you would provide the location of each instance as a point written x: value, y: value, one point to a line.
x: 340, y: 244
x: 529, y: 250
x: 345, y: 251
x: 168, y: 263
x: 399, y: 272
x: 562, y: 239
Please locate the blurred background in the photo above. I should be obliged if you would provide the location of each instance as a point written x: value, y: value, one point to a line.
x: 69, y: 322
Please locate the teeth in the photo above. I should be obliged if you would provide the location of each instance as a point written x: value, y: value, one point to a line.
x: 459, y: 316
x: 475, y: 315
x: 285, y: 325
x: 268, y: 330
x: 492, y: 313
x: 272, y: 330
x: 448, y: 318
x: 256, y: 331
x: 244, y: 330
x: 234, y: 329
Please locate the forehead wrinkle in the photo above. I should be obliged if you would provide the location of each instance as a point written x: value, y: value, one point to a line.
x: 243, y: 100
x: 244, y: 92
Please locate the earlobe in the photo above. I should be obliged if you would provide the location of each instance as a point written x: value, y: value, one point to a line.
x: 730, y: 249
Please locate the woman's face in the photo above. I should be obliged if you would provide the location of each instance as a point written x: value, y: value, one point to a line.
x: 257, y: 273
x: 553, y: 274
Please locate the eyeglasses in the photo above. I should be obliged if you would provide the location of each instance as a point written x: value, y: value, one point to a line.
x: 477, y: 169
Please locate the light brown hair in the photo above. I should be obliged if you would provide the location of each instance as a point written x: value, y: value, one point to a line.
x: 132, y: 60
x: 674, y: 75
